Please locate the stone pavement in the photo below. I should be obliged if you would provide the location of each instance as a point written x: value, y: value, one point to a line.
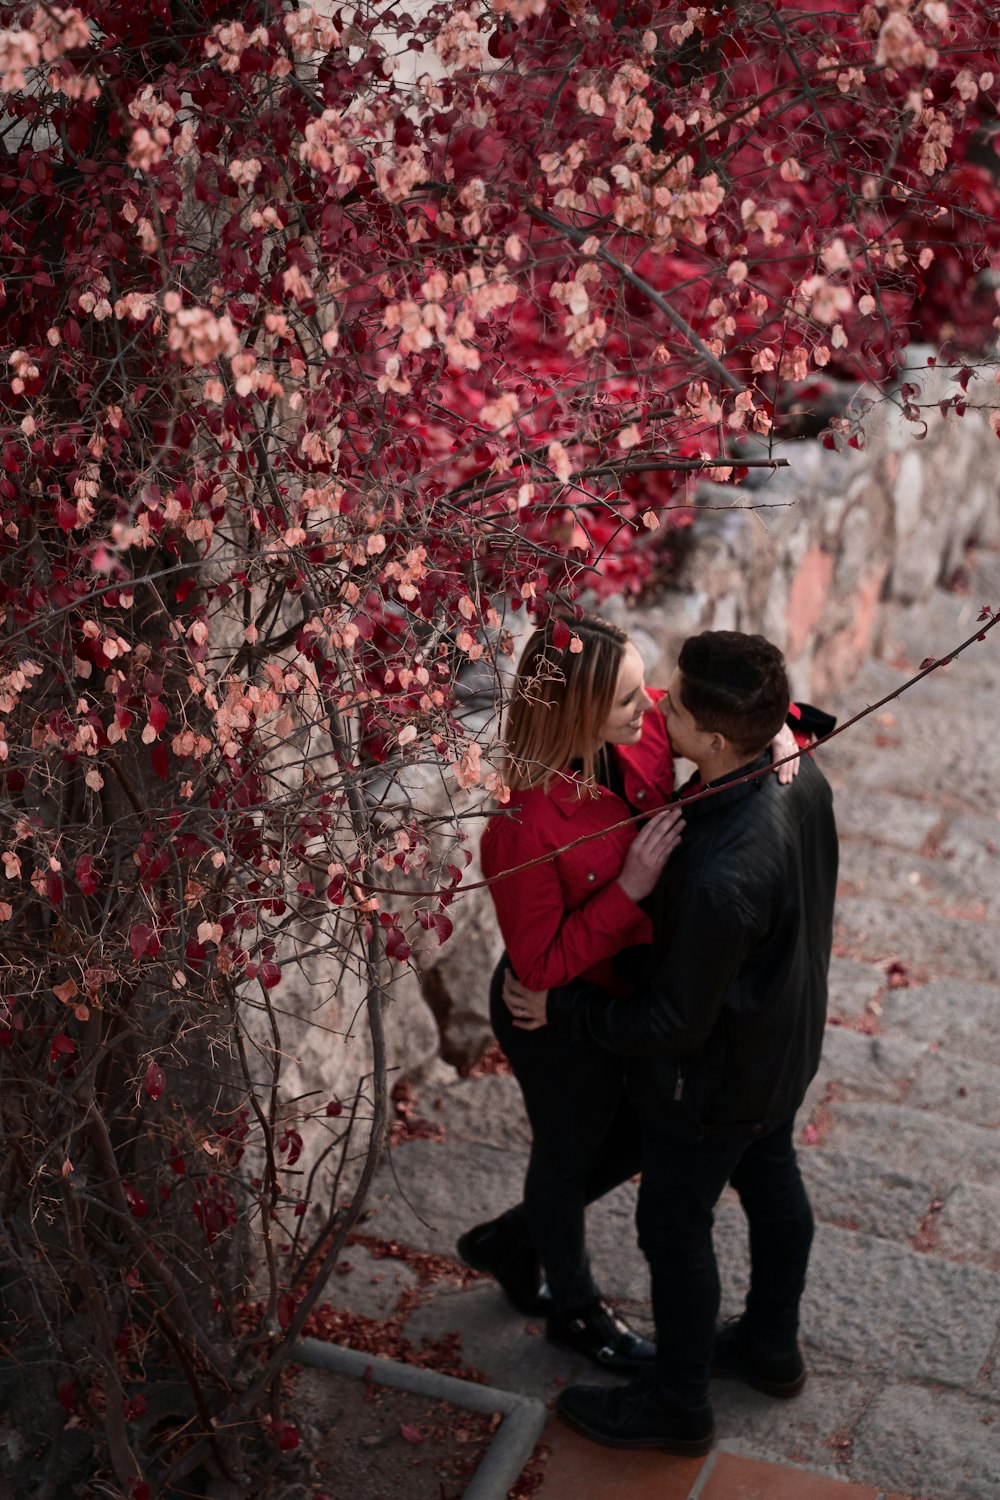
x: 900, y: 1143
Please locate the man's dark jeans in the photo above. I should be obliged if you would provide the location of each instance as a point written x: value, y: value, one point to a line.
x: 586, y: 1141
x: 681, y: 1184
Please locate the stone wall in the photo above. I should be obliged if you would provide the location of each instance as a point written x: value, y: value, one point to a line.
x: 806, y: 555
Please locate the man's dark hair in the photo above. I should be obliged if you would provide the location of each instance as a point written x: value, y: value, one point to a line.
x: 735, y: 685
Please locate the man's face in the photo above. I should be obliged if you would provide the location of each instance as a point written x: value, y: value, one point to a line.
x: 685, y: 737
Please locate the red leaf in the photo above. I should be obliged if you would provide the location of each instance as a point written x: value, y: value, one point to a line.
x: 285, y: 1308
x: 560, y: 635
x: 142, y: 939
x: 68, y: 1394
x: 134, y: 1407
x: 155, y: 1080
x: 286, y: 1435
x: 157, y: 715
x: 928, y: 661
x: 410, y: 1434
x: 138, y: 1207
x: 270, y: 976
x: 85, y: 877
x: 160, y: 759
x: 53, y: 887
x: 334, y: 1108
x: 61, y: 1046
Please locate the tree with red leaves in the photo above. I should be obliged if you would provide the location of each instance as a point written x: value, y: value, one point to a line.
x: 331, y: 339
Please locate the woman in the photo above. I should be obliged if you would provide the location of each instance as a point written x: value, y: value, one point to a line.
x: 587, y: 751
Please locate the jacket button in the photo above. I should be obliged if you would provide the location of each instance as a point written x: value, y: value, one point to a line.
x: 591, y: 875
x: 640, y: 796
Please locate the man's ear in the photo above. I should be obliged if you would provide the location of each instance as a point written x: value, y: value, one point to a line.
x: 717, y: 746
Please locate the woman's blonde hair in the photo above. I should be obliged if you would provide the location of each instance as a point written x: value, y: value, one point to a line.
x: 561, y: 699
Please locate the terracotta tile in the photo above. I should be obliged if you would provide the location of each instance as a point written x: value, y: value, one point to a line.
x: 900, y: 1496
x: 581, y: 1470
x: 734, y: 1478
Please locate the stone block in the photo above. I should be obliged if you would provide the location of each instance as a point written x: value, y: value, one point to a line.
x: 853, y: 985
x: 870, y: 1067
x: 883, y: 929
x: 916, y: 1142
x: 901, y: 821
x: 940, y: 1445
x: 510, y: 1350
x: 852, y: 1192
x: 427, y: 1192
x: 955, y: 1015
x: 868, y: 869
x: 887, y: 1310
x: 968, y: 1226
x: 811, y: 1430
x: 362, y: 1284
x: 487, y: 1111
x: 958, y: 1086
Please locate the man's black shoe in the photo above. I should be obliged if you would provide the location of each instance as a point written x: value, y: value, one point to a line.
x: 637, y: 1415
x: 736, y: 1357
x: 489, y: 1247
x: 597, y: 1331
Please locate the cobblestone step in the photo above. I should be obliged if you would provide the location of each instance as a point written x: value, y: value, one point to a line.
x: 877, y: 930
x: 916, y: 1143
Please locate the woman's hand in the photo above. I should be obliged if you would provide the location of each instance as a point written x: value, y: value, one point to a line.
x: 649, y: 852
x: 785, y: 743
x: 528, y: 1007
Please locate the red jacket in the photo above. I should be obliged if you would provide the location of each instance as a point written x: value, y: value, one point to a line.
x: 569, y: 916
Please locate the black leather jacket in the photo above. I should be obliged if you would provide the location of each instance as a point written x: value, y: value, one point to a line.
x: 725, y: 1028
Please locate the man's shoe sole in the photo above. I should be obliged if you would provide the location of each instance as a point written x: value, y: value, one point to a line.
x: 781, y: 1390
x: 678, y: 1447
x: 615, y: 1366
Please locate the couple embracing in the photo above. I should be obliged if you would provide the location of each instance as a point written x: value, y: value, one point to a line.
x: 661, y: 1002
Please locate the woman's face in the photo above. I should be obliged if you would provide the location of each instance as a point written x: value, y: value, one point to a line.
x: 623, y: 726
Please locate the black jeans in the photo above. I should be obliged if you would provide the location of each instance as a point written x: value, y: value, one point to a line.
x: 681, y: 1184
x: 586, y: 1140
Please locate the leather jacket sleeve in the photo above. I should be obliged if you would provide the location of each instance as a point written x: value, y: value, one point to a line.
x: 673, y: 1012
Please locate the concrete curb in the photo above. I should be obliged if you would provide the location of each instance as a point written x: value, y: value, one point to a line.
x: 524, y: 1417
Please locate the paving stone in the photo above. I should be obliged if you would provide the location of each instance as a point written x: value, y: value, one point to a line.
x: 959, y: 1086
x: 362, y: 1284
x: 886, y: 818
x: 868, y: 869
x: 960, y: 1017
x: 937, y: 1444
x: 853, y: 985
x: 869, y: 1067
x: 811, y: 1429
x: 489, y: 1111
x: 853, y: 1193
x: 876, y: 1305
x: 511, y: 1351
x: 429, y: 1192
x: 968, y: 1226
x: 971, y: 848
x: 876, y: 929
x: 916, y: 1142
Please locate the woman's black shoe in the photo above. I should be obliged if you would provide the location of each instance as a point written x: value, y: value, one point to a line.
x: 735, y: 1356
x: 597, y: 1331
x: 637, y: 1415
x: 516, y: 1268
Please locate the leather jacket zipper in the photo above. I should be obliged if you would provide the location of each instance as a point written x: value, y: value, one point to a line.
x: 679, y: 1086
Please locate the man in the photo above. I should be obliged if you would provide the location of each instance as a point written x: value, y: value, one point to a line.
x: 724, y: 1034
